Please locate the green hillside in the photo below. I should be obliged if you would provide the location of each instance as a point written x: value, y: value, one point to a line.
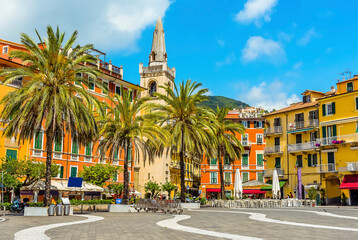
x: 221, y: 101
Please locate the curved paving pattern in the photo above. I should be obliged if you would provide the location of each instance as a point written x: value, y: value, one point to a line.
x: 173, y: 224
x: 38, y: 233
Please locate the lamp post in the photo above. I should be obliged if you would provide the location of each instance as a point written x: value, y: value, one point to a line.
x: 2, y: 189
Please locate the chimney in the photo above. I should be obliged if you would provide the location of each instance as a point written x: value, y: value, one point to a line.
x: 110, y: 66
x: 333, y: 89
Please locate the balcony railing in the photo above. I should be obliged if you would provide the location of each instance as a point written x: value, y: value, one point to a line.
x: 323, y: 168
x: 313, y: 123
x: 328, y: 141
x: 245, y: 143
x: 273, y: 149
x: 213, y: 167
x: 352, y: 166
x: 227, y: 167
x: 301, y: 146
x: 269, y: 172
x: 273, y: 130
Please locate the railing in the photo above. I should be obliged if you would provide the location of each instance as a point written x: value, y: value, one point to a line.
x: 273, y: 149
x: 299, y: 125
x: 273, y: 130
x: 227, y: 167
x: 352, y: 166
x: 213, y: 167
x: 313, y: 123
x: 245, y: 143
x: 349, y: 138
x: 301, y: 146
x: 323, y: 168
x: 269, y: 172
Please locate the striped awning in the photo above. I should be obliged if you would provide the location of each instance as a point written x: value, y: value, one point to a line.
x: 339, y: 121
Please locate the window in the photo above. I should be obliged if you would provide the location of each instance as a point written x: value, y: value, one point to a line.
x: 213, y: 177
x: 228, y: 194
x: 312, y: 160
x: 227, y: 177
x: 259, y: 138
x: 313, y: 136
x: 74, y: 146
x: 277, y: 122
x: 78, y: 75
x: 73, y: 172
x: 58, y: 143
x: 299, y: 120
x: 329, y: 131
x: 313, y: 114
x: 60, y: 175
x: 244, y: 123
x: 227, y: 159
x: 129, y: 176
x: 129, y: 157
x: 91, y: 83
x: 356, y: 103
x: 245, y: 138
x: 245, y: 160
x: 213, y: 161
x: 38, y: 140
x: 118, y: 90
x: 245, y: 176
x: 5, y: 49
x: 328, y: 109
x: 257, y: 124
x: 260, y: 160
x: 88, y: 150
x: 299, y: 161
x: 306, y: 99
x: 116, y: 154
x: 350, y: 87
x: 248, y: 124
x: 11, y: 154
x: 298, y: 138
x: 115, y: 177
x: 152, y: 88
x: 277, y: 162
x: 105, y: 87
x: 260, y: 177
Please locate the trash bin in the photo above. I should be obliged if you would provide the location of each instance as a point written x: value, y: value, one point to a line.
x: 51, y: 210
x: 59, y: 210
x: 66, y: 209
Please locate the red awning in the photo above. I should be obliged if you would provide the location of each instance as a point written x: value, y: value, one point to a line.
x: 253, y: 191
x: 213, y: 190
x: 350, y: 182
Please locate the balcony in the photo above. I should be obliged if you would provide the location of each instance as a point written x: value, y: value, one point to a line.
x: 245, y: 143
x: 307, y: 146
x: 312, y: 123
x: 227, y: 167
x: 352, y: 166
x: 273, y: 130
x: 326, y: 168
x: 331, y: 141
x: 269, y: 172
x: 273, y: 149
x: 213, y: 167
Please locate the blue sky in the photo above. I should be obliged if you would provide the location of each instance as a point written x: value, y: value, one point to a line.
x: 263, y: 52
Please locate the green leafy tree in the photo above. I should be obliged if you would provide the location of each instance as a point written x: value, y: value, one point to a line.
x: 312, y: 193
x: 116, y: 188
x: 227, y: 145
x: 98, y: 174
x: 168, y: 187
x: 127, y: 127
x: 49, y: 97
x: 187, y: 122
x: 152, y: 187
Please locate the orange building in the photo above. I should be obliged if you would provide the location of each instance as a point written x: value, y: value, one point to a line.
x: 251, y: 164
x: 67, y: 154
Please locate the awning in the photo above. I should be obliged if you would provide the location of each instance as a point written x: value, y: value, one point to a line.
x: 350, y: 182
x: 269, y: 188
x: 61, y: 185
x: 300, y: 130
x: 253, y: 191
x: 213, y: 190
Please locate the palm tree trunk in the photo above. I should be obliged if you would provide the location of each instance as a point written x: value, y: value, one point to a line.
x: 222, y: 183
x: 125, y: 175
x: 49, y: 143
x: 182, y: 170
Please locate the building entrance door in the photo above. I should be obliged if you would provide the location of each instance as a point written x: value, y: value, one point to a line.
x: 353, y: 197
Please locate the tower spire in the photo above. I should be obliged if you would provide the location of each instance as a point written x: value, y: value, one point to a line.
x: 158, y: 53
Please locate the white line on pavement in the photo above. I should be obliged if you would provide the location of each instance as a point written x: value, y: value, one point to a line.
x: 2, y: 219
x: 262, y: 218
x: 38, y: 233
x: 173, y: 224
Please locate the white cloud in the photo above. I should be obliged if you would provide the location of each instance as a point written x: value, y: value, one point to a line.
x: 110, y: 25
x: 259, y: 47
x: 269, y: 96
x: 307, y: 37
x: 255, y: 10
x: 228, y: 60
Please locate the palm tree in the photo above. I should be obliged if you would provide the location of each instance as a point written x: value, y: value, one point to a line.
x: 127, y: 127
x: 168, y: 187
x: 49, y: 99
x: 186, y: 121
x: 227, y: 145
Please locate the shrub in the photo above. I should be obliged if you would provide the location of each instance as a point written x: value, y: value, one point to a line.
x: 6, y: 204
x: 36, y: 204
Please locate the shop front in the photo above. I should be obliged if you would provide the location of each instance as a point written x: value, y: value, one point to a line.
x: 350, y: 183
x: 213, y: 193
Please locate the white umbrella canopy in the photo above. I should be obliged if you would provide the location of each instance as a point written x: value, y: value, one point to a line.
x: 275, y: 185
x: 238, y: 185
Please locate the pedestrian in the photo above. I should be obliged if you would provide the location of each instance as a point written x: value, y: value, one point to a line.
x: 291, y: 195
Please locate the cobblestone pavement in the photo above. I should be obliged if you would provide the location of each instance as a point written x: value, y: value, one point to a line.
x: 232, y: 221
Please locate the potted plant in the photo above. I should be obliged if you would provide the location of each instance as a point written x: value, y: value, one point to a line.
x: 344, y: 199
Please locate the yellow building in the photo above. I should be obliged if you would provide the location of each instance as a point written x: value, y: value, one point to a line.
x: 339, y: 142
x: 290, y: 135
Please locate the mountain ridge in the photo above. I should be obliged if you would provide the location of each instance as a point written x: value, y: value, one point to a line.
x: 222, y: 101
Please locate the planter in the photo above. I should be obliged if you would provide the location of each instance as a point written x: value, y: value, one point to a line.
x: 36, y: 211
x: 190, y: 205
x: 118, y: 208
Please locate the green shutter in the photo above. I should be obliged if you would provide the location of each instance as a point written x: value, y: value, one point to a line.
x: 245, y: 159
x: 129, y: 154
x: 334, y: 130
x: 213, y: 161
x: 259, y: 160
x: 61, y: 171
x: 116, y: 154
x: 73, y: 172
x: 38, y: 140
x: 245, y: 177
x: 324, y: 132
x: 227, y: 177
x: 323, y: 109
x: 58, y: 143
x: 89, y: 149
x: 74, y: 146
x: 11, y: 154
x: 333, y: 107
x: 356, y: 103
x: 277, y: 162
x: 115, y: 177
x: 309, y: 158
